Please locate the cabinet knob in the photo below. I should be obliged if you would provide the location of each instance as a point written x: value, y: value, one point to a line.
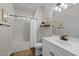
x: 51, y: 53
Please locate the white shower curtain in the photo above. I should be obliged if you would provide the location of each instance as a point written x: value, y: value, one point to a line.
x: 33, y: 32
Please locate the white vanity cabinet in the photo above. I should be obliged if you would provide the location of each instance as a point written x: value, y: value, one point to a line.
x: 49, y: 49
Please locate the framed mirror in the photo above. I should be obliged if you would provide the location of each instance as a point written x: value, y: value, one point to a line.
x: 3, y: 17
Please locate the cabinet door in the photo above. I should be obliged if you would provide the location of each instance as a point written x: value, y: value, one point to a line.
x: 61, y: 52
x: 48, y: 51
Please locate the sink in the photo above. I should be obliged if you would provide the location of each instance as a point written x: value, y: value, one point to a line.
x: 71, y: 45
x: 70, y: 42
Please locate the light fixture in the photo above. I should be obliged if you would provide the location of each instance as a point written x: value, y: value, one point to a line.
x: 55, y: 9
x: 59, y: 9
x: 58, y: 4
x: 5, y: 16
x: 62, y: 4
x: 65, y: 6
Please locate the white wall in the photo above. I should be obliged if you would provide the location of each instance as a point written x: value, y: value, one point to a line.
x: 23, y: 13
x: 6, y: 33
x: 70, y: 17
x: 46, y: 13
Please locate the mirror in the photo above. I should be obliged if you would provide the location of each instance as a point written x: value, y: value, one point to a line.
x: 70, y: 19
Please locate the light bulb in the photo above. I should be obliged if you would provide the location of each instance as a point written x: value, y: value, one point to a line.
x: 5, y: 16
x: 56, y: 8
x: 59, y: 9
x: 62, y: 5
x: 65, y: 6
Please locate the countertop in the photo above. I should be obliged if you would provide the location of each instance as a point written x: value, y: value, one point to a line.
x: 72, y: 45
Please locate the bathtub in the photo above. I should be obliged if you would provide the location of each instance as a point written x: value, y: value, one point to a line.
x: 20, y: 46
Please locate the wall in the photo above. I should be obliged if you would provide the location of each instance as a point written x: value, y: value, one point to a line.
x: 70, y: 17
x: 6, y: 33
x: 23, y: 13
x: 46, y: 15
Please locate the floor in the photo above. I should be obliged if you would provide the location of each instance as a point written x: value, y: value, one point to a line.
x: 26, y: 52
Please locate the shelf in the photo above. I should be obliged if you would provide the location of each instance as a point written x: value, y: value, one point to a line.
x: 4, y: 24
x: 45, y: 26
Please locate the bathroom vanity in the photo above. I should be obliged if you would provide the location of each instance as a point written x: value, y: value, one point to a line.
x: 53, y: 46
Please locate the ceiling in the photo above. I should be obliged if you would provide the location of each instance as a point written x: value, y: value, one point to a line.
x: 31, y: 7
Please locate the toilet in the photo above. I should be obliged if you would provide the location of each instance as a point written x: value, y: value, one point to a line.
x: 38, y: 48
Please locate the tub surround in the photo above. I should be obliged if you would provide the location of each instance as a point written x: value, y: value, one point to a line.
x: 70, y: 46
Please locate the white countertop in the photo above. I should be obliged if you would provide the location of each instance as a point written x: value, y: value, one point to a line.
x: 72, y: 45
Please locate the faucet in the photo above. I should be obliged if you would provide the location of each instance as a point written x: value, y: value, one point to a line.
x: 64, y: 37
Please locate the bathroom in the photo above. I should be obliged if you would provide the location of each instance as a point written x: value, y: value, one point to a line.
x: 39, y: 29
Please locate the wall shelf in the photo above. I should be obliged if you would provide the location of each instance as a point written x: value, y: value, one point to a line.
x: 44, y: 25
x: 4, y: 24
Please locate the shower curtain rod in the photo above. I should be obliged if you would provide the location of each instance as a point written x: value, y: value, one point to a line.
x: 22, y: 16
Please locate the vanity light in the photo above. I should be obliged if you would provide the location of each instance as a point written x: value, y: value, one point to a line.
x: 65, y: 6
x: 59, y: 9
x: 62, y: 4
x: 56, y: 8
